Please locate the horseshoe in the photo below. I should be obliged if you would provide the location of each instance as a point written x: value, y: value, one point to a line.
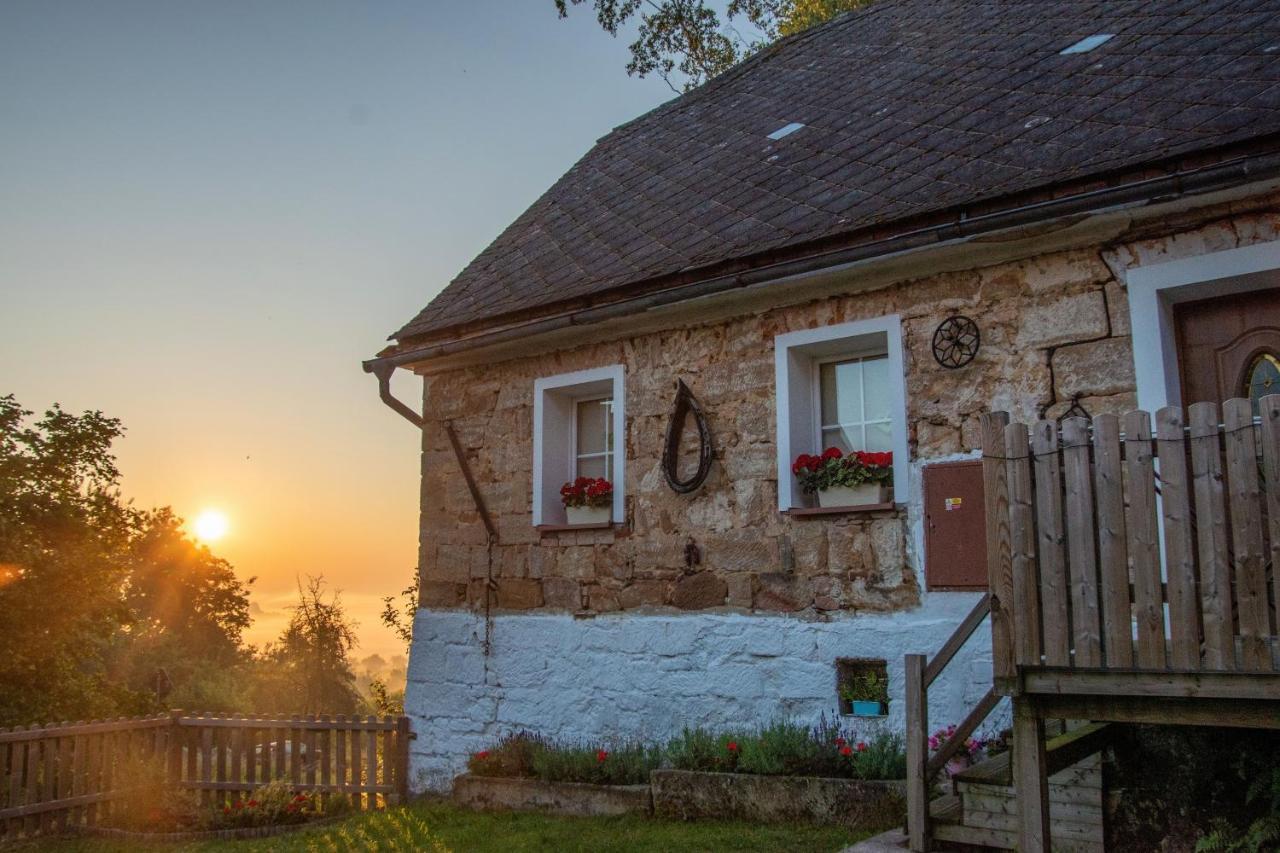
x: 684, y: 404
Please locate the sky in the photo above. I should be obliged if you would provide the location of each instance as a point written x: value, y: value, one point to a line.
x: 211, y: 212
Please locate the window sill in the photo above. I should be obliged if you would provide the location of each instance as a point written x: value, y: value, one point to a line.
x: 808, y: 512
x: 560, y: 528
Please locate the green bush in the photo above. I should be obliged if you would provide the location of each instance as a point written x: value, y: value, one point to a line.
x: 627, y: 763
x: 782, y: 748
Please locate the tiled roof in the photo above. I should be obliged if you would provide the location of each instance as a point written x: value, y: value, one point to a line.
x: 908, y: 107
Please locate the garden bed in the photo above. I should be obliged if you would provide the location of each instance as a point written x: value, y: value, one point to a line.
x: 489, y: 793
x: 691, y: 794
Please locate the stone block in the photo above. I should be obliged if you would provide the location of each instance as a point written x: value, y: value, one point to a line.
x: 1074, y: 317
x: 562, y: 593
x: 742, y: 589
x: 740, y: 551
x: 576, y: 561
x: 1096, y: 369
x: 519, y: 593
x: 783, y: 592
x: 643, y: 593
x: 442, y: 594
x: 699, y: 591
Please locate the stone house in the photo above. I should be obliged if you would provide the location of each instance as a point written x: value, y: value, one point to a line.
x: 1095, y: 188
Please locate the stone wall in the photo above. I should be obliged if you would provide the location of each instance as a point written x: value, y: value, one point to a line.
x: 648, y: 675
x: 1055, y: 330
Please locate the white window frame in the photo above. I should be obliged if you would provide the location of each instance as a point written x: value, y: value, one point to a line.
x: 1154, y: 289
x: 819, y: 426
x: 798, y: 409
x: 554, y: 437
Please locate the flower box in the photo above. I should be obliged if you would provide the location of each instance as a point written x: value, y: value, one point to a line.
x: 692, y: 795
x: 504, y: 793
x: 865, y: 708
x: 589, y: 514
x: 861, y: 495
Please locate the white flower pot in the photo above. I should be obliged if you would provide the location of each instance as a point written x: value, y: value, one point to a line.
x: 589, y: 514
x: 863, y: 495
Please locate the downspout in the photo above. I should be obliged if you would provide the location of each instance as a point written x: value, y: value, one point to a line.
x: 383, y: 370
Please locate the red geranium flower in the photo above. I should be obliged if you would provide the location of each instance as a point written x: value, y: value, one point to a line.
x: 601, y: 755
x: 841, y: 741
x: 482, y: 754
x: 832, y: 453
x: 862, y: 746
x: 732, y: 746
x: 846, y: 751
x: 253, y: 804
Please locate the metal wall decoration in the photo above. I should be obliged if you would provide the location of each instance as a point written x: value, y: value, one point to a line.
x: 955, y: 342
x: 685, y: 403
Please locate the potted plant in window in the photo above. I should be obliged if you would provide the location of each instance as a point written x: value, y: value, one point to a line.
x: 858, y: 479
x: 866, y: 694
x: 588, y: 500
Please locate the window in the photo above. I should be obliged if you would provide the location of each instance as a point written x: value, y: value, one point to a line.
x: 577, y: 424
x: 855, y: 404
x: 593, y: 438
x: 840, y: 386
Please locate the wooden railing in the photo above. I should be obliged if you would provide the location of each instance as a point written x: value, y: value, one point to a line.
x: 1084, y: 513
x: 68, y: 775
x: 922, y: 769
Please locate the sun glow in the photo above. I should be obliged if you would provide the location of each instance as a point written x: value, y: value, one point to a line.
x: 211, y: 525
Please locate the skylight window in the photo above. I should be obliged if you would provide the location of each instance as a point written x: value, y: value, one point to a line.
x: 786, y: 130
x: 1087, y: 44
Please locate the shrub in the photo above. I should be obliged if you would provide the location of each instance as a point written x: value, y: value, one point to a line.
x: 148, y: 804
x: 513, y: 756
x: 627, y: 763
x: 273, y: 804
x: 699, y: 749
x: 782, y: 749
x: 882, y: 757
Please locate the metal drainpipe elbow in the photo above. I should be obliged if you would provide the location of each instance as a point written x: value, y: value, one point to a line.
x: 383, y: 370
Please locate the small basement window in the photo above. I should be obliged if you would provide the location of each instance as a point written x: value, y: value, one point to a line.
x: 862, y: 686
x: 577, y: 424
x: 840, y: 386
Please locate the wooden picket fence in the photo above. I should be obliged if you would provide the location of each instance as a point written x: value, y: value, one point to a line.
x: 1127, y: 549
x: 69, y: 775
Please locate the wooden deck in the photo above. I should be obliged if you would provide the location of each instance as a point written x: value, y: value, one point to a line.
x: 1133, y: 579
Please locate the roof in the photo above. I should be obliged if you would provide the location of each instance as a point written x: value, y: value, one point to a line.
x: 909, y: 107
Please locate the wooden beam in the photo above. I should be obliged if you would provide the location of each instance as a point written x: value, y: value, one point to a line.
x: 917, y: 755
x: 1030, y: 778
x: 1191, y: 685
x: 1160, y: 710
x: 957, y: 640
x: 995, y: 483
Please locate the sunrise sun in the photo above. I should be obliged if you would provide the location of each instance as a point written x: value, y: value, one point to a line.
x: 211, y: 525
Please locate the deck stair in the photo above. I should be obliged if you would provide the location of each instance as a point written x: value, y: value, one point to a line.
x: 981, y: 808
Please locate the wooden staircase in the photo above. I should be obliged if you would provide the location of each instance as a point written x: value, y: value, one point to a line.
x: 981, y: 809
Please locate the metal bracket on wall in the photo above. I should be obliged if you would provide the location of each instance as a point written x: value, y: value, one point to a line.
x: 685, y: 403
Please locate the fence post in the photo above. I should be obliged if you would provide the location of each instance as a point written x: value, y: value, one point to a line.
x: 174, y: 741
x: 402, y: 759
x: 917, y: 755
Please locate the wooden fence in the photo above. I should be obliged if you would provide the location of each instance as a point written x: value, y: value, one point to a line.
x: 63, y: 776
x: 1117, y: 548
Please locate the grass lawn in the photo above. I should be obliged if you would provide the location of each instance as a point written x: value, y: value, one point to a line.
x: 441, y: 827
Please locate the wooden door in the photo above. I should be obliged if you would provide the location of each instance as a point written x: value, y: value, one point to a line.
x: 1229, y: 346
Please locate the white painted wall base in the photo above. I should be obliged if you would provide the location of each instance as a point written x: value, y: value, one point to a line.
x: 650, y: 675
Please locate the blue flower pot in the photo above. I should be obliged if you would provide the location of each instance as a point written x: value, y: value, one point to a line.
x: 865, y: 709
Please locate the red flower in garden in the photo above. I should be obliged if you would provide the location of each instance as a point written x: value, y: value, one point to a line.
x: 846, y: 751
x: 832, y: 453
x: 862, y: 746
x: 226, y: 809
x: 841, y: 741
x: 482, y: 754
x: 732, y: 746
x: 601, y: 755
x: 875, y: 460
x: 253, y: 804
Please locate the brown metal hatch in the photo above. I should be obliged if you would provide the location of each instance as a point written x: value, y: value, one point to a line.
x: 955, y: 527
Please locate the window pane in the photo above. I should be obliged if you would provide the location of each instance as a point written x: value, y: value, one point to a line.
x: 593, y: 426
x: 879, y: 438
x: 875, y: 378
x: 841, y: 385
x: 594, y: 466
x: 845, y: 439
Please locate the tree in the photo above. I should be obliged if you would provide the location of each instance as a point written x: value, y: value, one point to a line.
x: 102, y: 607
x: 308, y: 670
x: 687, y: 36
